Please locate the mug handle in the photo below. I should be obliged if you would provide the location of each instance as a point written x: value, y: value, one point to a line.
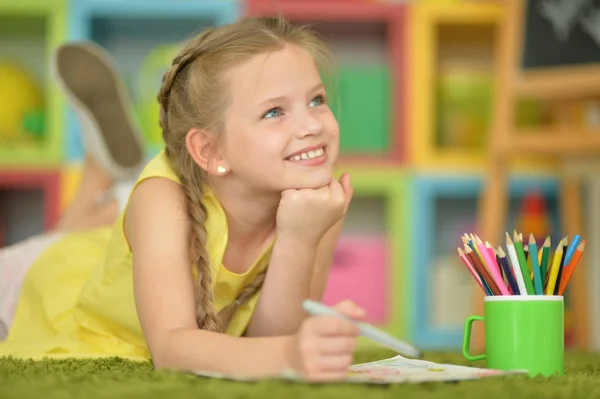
x: 467, y: 339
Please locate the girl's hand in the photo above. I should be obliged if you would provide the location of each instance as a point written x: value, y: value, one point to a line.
x: 323, y: 348
x: 307, y: 214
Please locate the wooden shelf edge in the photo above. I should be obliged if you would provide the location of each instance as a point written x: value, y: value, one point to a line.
x: 330, y: 10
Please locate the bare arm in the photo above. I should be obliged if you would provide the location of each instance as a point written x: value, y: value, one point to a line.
x: 324, y: 261
x: 297, y: 271
x: 157, y: 227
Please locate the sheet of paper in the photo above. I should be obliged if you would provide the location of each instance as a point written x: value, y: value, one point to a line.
x: 402, y: 370
x: 397, y: 370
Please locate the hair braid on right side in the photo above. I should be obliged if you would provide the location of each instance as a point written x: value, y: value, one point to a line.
x: 206, y: 316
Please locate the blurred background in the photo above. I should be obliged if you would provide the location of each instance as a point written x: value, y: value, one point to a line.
x: 418, y: 90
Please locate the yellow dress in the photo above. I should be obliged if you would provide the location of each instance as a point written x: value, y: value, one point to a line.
x: 77, y: 298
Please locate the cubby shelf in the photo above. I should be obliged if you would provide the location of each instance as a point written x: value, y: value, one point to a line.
x: 46, y: 181
x: 426, y: 19
x: 372, y: 114
x: 443, y: 288
x: 137, y: 33
x: 29, y: 31
x: 378, y: 218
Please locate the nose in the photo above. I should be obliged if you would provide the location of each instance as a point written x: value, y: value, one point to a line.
x: 308, y: 124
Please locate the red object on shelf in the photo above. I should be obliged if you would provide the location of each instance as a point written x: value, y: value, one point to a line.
x: 47, y: 180
x: 395, y: 16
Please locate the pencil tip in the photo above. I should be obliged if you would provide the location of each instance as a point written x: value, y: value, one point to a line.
x: 531, y: 239
x: 508, y: 240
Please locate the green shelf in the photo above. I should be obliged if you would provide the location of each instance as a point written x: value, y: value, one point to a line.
x: 29, y: 31
x: 364, y: 112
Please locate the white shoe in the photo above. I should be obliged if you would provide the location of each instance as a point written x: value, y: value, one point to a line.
x: 88, y: 76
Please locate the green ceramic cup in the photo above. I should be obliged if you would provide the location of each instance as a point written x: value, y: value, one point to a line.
x: 522, y: 332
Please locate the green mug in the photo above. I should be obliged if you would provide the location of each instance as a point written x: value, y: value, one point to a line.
x: 522, y: 332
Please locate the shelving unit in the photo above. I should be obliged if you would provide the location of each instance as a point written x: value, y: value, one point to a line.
x: 368, y: 40
x: 446, y: 208
x: 141, y: 36
x: 31, y: 124
x: 416, y: 85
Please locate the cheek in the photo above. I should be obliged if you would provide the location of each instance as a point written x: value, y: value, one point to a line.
x: 252, y: 150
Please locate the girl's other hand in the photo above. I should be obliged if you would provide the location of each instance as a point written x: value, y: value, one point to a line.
x: 307, y: 214
x: 323, y: 348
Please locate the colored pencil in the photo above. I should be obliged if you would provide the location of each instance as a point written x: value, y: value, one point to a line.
x: 544, y: 262
x: 569, y: 270
x: 526, y: 252
x: 553, y: 272
x: 512, y: 282
x: 516, y: 267
x: 523, y: 264
x: 492, y: 267
x: 562, y: 266
x: 572, y: 247
x: 467, y: 262
x: 475, y: 247
x: 537, y: 277
x: 483, y: 272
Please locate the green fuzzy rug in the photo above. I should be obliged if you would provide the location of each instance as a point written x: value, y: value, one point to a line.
x: 116, y: 378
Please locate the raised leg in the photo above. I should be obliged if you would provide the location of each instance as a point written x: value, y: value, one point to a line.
x: 91, y: 206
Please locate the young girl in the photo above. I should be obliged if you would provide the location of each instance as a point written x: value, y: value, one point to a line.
x: 226, y: 231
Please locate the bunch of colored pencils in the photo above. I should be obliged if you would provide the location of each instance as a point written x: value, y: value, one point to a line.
x: 525, y: 270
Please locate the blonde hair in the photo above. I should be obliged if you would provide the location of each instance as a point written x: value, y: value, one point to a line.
x: 193, y: 95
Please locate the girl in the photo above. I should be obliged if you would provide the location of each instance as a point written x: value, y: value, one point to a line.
x: 226, y: 231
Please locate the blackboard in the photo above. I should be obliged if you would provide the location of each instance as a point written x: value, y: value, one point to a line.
x: 560, y: 33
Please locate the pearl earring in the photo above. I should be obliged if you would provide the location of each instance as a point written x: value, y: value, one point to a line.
x: 221, y: 169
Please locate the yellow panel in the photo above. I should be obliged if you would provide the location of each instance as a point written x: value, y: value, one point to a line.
x: 426, y: 16
x: 69, y: 182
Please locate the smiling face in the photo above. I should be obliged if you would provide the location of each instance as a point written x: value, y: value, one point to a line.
x: 279, y: 131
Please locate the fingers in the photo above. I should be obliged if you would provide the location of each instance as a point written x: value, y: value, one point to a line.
x: 348, y: 190
x: 351, y: 309
x: 332, y: 326
x: 337, y: 346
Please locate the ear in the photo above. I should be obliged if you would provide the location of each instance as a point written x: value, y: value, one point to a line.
x: 202, y: 146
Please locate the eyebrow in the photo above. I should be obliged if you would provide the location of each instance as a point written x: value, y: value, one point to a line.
x: 280, y: 98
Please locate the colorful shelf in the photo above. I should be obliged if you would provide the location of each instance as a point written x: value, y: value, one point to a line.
x: 31, y: 123
x: 373, y: 114
x: 141, y: 35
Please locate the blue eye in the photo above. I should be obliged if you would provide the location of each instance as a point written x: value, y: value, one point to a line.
x: 319, y: 101
x: 272, y: 113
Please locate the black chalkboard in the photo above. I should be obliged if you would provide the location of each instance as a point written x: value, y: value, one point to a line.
x: 563, y: 33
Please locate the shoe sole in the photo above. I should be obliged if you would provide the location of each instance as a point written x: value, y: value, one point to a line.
x: 87, y: 76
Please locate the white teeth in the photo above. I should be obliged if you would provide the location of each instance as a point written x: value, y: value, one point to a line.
x: 308, y: 155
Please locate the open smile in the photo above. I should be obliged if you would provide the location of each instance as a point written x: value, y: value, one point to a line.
x: 309, y: 156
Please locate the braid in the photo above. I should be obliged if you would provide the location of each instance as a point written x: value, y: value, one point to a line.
x: 206, y: 316
x: 188, y: 54
x: 228, y: 311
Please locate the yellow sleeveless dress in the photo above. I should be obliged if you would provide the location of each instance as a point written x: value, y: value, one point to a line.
x: 77, y: 298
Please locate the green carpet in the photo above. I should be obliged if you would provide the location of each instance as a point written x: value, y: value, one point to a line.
x: 114, y: 378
